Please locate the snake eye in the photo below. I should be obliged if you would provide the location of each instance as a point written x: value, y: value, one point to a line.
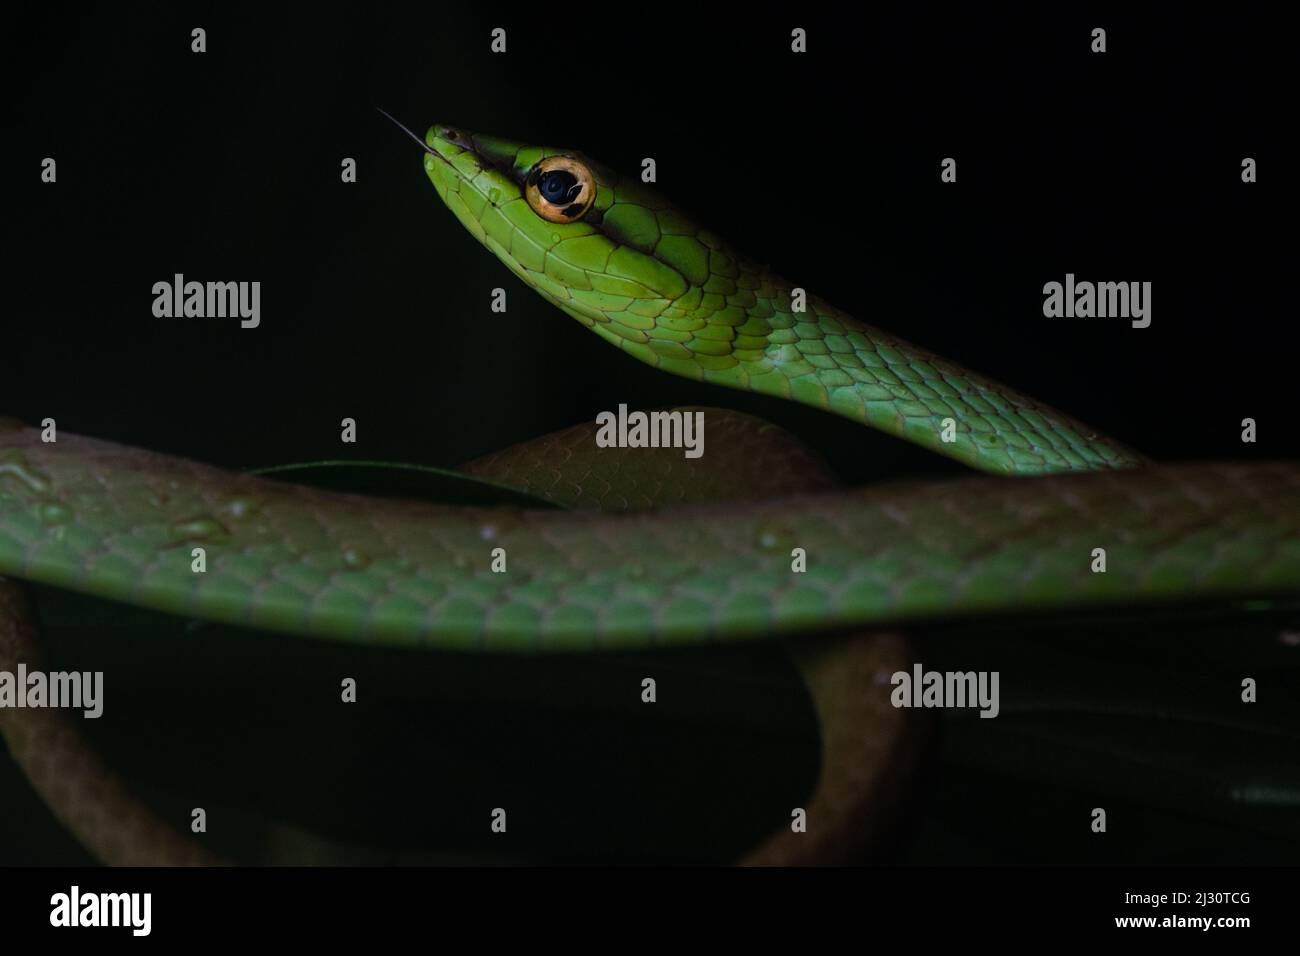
x: 560, y: 189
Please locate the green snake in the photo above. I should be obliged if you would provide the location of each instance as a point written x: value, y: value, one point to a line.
x: 711, y: 560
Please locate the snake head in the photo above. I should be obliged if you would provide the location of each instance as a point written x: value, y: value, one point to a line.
x: 604, y: 248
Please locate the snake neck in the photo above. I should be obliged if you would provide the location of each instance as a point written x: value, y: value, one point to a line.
x: 743, y: 327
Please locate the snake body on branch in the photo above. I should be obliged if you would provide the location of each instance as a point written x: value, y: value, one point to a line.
x: 123, y: 523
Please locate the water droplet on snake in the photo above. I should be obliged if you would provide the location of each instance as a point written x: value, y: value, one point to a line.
x: 771, y: 537
x: 354, y: 559
x: 240, y: 508
x: 497, y: 525
x: 199, y: 529
x: 53, y: 513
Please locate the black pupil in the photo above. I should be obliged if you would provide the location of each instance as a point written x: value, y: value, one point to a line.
x: 559, y: 186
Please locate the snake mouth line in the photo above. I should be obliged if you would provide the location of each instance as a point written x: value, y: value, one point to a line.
x: 447, y: 162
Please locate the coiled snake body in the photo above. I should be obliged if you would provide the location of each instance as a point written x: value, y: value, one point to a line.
x: 123, y: 523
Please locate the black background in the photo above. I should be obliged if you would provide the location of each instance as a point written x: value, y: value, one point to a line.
x: 1120, y: 166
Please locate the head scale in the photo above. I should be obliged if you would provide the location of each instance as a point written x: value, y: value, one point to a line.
x: 604, y: 248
